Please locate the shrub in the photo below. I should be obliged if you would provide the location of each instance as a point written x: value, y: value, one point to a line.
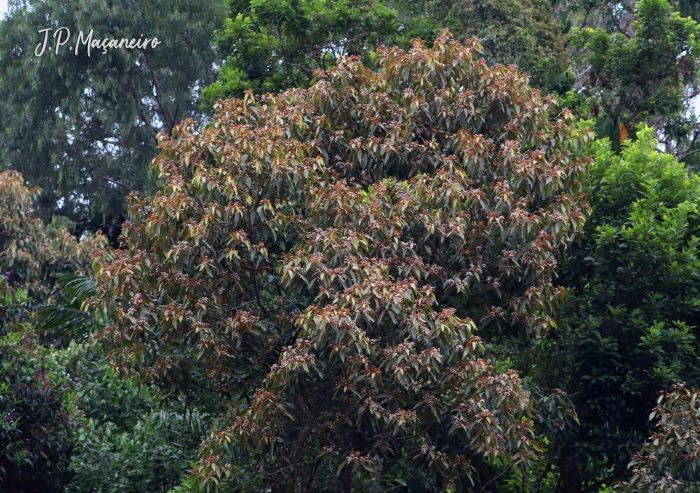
x: 37, y: 415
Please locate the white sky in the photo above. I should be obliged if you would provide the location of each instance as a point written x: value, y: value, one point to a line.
x: 3, y: 7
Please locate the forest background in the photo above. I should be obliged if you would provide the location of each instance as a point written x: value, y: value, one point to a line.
x: 357, y: 246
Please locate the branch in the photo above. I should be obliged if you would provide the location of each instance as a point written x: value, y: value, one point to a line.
x: 502, y: 473
x: 310, y: 482
x: 107, y: 178
x: 585, y: 18
x: 612, y: 18
x: 257, y: 293
x: 689, y: 154
x: 692, y: 142
x: 546, y: 470
x: 139, y: 106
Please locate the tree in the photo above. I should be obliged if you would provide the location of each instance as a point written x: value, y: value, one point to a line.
x: 82, y: 123
x: 269, y: 46
x: 129, y: 439
x: 67, y: 417
x: 320, y: 256
x: 524, y: 33
x: 32, y: 254
x: 631, y: 323
x: 274, y: 45
x: 639, y: 64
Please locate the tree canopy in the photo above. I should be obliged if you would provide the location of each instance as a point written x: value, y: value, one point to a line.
x: 83, y: 126
x: 630, y: 323
x: 272, y: 45
x: 323, y: 254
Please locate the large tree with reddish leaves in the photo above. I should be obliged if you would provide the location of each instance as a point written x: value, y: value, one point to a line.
x: 320, y: 257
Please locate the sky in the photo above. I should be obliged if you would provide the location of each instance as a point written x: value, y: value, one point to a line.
x: 3, y: 7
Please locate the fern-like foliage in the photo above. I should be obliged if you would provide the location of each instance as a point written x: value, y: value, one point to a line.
x: 63, y: 323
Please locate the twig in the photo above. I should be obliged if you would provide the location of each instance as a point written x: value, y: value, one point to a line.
x: 501, y: 474
x: 257, y: 293
x: 689, y: 154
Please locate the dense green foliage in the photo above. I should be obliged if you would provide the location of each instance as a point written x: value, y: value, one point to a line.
x: 272, y: 45
x: 525, y: 33
x: 619, y: 63
x: 37, y: 419
x: 630, y: 325
x: 83, y: 125
x: 67, y: 416
x: 647, y: 76
x: 37, y: 415
x: 130, y: 439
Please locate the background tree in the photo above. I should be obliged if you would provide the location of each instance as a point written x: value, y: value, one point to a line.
x: 33, y: 254
x: 269, y: 46
x: 636, y: 62
x: 129, y: 438
x: 84, y: 127
x: 36, y: 409
x: 524, y: 33
x: 631, y: 323
x: 67, y: 417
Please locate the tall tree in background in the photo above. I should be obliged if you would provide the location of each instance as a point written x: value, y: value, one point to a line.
x: 524, y: 33
x: 272, y: 45
x: 83, y: 127
x: 619, y: 63
x: 637, y: 62
x: 630, y: 328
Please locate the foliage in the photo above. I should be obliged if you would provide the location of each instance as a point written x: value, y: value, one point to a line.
x: 32, y: 252
x: 130, y: 439
x: 299, y: 252
x: 644, y: 73
x: 150, y: 457
x: 67, y: 321
x: 69, y: 421
x: 669, y: 459
x: 630, y: 325
x: 37, y: 415
x: 38, y: 412
x: 83, y: 125
x: 272, y: 45
x: 525, y: 33
x: 44, y: 393
x: 305, y: 288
